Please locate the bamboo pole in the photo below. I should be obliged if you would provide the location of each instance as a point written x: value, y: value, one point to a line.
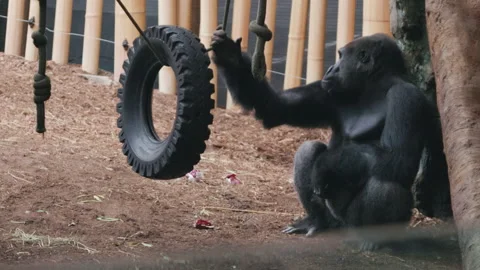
x: 240, y: 25
x: 15, y: 34
x: 241, y: 21
x: 62, y: 26
x: 296, y: 43
x: 167, y: 15
x: 93, y: 31
x: 270, y: 21
x: 184, y: 14
x: 125, y: 30
x: 316, y: 40
x: 31, y: 52
x: 208, y: 24
x: 376, y: 17
x: 196, y: 17
x: 346, y: 22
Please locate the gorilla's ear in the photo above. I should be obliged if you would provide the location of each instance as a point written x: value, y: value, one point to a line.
x: 377, y: 48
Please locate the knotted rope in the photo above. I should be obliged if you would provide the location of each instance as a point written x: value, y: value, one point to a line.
x: 258, y: 27
x: 41, y: 82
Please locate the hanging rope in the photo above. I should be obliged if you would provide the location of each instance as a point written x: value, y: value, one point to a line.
x: 225, y: 15
x: 140, y: 31
x: 41, y: 82
x: 225, y: 18
x: 258, y: 27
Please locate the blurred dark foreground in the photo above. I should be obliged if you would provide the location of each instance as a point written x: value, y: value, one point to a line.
x: 416, y: 248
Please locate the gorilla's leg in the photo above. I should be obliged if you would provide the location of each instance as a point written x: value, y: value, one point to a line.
x: 379, y: 203
x: 317, y: 216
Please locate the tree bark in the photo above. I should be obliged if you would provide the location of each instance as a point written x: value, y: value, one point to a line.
x: 408, y: 26
x: 454, y: 34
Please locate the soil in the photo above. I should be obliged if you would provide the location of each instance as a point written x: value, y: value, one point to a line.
x: 69, y: 198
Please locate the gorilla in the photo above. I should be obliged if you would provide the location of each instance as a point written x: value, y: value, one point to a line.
x: 381, y: 126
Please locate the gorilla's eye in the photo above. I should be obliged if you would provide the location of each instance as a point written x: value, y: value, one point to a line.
x: 363, y: 57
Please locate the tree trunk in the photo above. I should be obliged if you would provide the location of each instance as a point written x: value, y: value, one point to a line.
x: 408, y: 26
x: 454, y: 34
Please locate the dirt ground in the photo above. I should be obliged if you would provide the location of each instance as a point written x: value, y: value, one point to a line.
x: 71, y: 198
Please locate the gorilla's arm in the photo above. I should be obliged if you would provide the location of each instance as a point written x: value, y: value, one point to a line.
x: 304, y: 106
x: 403, y: 137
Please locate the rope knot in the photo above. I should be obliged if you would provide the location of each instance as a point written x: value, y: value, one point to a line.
x: 39, y: 39
x: 261, y: 31
x: 41, y: 87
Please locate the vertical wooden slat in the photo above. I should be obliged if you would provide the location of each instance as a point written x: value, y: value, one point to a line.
x: 15, y: 34
x: 208, y: 24
x: 31, y: 52
x: 296, y: 43
x: 93, y: 31
x: 124, y: 29
x: 62, y: 26
x: 270, y: 21
x: 316, y: 40
x: 167, y: 15
x: 184, y: 14
x: 240, y: 24
x: 346, y: 22
x: 376, y: 17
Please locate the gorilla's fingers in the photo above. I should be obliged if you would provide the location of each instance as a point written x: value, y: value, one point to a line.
x: 292, y: 230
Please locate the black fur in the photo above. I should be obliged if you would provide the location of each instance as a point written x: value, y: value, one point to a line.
x: 380, y: 122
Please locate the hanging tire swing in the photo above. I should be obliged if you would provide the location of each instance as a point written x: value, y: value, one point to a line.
x: 174, y: 156
x: 180, y: 49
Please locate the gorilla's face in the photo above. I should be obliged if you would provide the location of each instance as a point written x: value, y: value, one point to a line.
x: 356, y: 63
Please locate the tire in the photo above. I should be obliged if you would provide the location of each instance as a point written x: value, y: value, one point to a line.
x: 175, y: 155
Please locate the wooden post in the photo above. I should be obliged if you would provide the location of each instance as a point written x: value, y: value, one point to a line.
x: 270, y: 21
x: 376, y: 17
x: 62, y: 26
x: 93, y: 31
x: 241, y: 21
x: 124, y: 30
x: 316, y: 40
x: 167, y: 15
x: 346, y: 22
x: 196, y: 17
x: 184, y: 15
x: 240, y: 25
x: 15, y: 34
x: 208, y: 24
x: 31, y: 52
x: 296, y: 43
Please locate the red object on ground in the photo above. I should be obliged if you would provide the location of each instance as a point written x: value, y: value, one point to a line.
x: 232, y: 179
x: 203, y: 224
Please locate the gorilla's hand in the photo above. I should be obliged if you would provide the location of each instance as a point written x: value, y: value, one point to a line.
x: 227, y: 53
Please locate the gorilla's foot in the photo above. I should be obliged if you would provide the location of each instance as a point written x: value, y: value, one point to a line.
x: 306, y: 226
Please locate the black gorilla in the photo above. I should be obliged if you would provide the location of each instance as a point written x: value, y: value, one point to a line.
x: 381, y: 124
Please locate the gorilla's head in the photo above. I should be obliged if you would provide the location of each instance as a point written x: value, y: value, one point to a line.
x: 362, y: 61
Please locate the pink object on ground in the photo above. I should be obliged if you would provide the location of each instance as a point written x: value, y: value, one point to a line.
x: 194, y: 175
